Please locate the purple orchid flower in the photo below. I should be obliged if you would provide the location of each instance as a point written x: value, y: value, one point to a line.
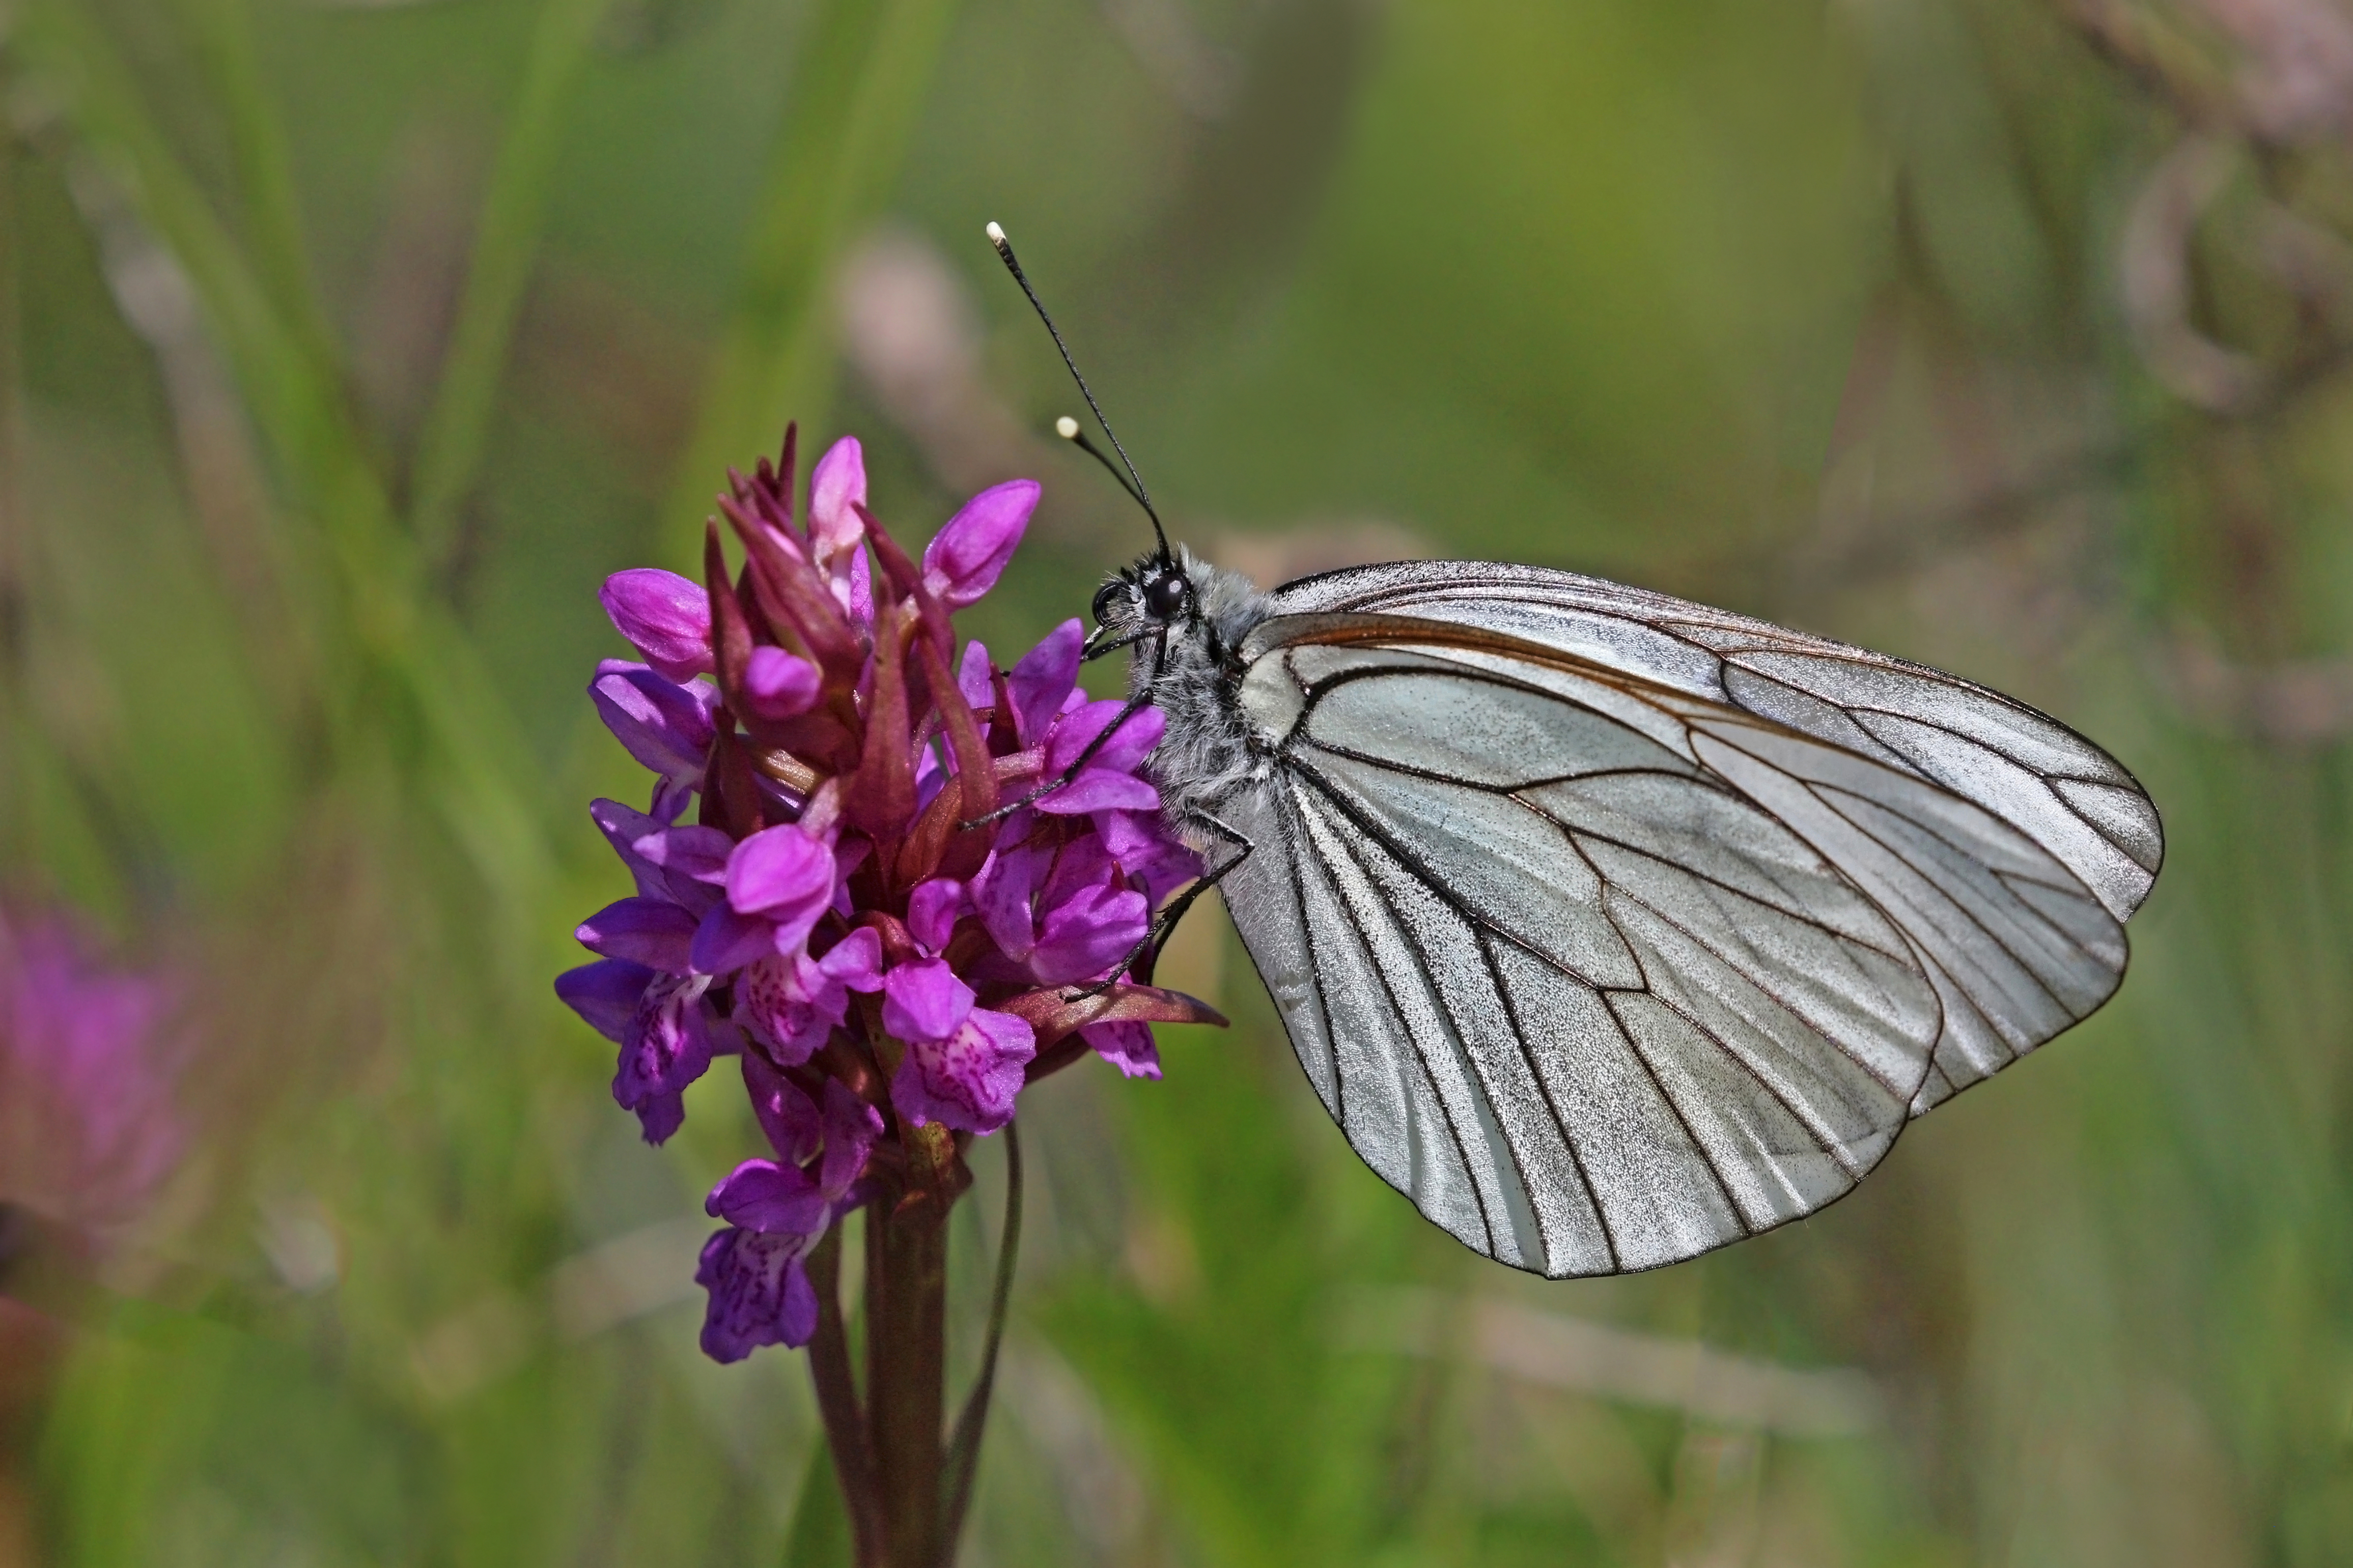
x: 779, y: 881
x: 964, y: 1063
x: 662, y: 1024
x: 777, y: 1211
x: 792, y: 1006
x: 834, y: 763
x: 665, y: 726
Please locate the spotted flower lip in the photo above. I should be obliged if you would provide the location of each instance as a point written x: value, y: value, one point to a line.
x: 807, y: 898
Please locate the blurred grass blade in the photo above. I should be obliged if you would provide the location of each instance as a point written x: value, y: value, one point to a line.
x: 297, y: 411
x: 964, y: 1446
x: 376, y: 581
x: 265, y: 172
x: 820, y: 1537
x: 857, y: 90
x: 457, y: 426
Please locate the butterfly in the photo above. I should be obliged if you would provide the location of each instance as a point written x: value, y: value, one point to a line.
x: 1611, y: 928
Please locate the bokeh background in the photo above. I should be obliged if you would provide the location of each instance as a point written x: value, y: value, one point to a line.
x: 345, y: 345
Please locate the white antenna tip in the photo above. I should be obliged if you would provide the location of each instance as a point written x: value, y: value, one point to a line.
x: 996, y: 234
x: 1067, y: 428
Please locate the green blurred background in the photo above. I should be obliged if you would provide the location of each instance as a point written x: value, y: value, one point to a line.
x: 346, y: 345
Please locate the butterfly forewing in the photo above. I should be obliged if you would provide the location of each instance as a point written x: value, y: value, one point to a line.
x: 1604, y: 967
x: 2070, y: 797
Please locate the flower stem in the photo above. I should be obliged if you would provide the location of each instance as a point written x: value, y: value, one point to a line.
x: 906, y: 1318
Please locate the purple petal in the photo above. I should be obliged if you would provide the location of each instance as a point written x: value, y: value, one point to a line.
x: 1046, y: 677
x: 1099, y: 789
x: 933, y: 909
x: 1081, y: 863
x: 760, y: 1293
x: 666, y: 1046
x: 973, y: 677
x: 1089, y: 932
x: 651, y: 931
x: 856, y: 961
x: 665, y: 726
x: 693, y: 854
x: 1002, y: 891
x: 1127, y: 1045
x: 671, y: 798
x: 931, y: 774
x: 761, y: 1195
x: 787, y: 1116
x: 681, y: 864
x: 780, y: 872
x: 726, y: 941
x: 968, y: 555
x: 924, y: 1000
x: 791, y: 1005
x: 777, y: 685
x: 837, y: 483
x: 852, y: 1127
x: 968, y: 1080
x: 605, y: 993
x: 666, y: 616
x: 1129, y: 745
x: 659, y: 1115
x: 1149, y: 854
x: 860, y: 596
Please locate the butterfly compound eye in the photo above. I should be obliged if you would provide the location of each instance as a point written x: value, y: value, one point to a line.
x: 1166, y: 595
x: 1110, y: 594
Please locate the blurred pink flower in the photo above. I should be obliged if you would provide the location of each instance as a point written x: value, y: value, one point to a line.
x: 89, y: 1069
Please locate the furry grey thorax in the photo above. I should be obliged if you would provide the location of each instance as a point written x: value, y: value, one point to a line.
x: 1188, y: 664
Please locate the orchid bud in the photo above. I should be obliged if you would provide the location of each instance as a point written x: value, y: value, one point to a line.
x: 665, y: 617
x: 968, y: 555
x: 837, y: 488
x: 777, y: 685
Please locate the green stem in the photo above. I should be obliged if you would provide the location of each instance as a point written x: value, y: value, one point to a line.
x: 906, y: 1378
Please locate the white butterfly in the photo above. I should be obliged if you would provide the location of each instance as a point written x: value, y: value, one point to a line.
x: 1611, y: 928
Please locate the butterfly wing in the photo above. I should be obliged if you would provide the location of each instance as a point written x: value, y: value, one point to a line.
x: 1603, y: 972
x: 2073, y: 800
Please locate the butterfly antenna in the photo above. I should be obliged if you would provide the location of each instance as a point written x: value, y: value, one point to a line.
x: 1068, y: 429
x: 1133, y: 482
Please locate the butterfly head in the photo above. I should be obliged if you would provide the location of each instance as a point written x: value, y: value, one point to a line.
x: 1178, y: 607
x: 1145, y: 601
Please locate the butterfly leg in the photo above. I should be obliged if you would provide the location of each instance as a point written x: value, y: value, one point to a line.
x: 1164, y: 925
